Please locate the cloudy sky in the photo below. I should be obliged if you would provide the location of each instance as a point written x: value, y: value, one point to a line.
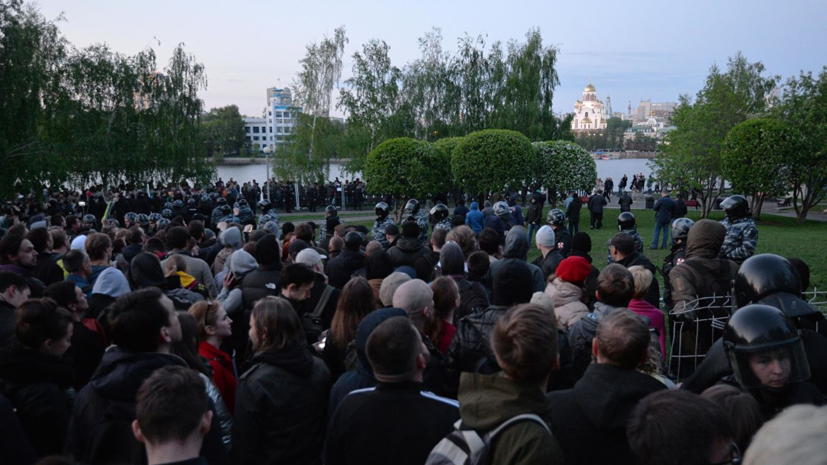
x: 632, y: 50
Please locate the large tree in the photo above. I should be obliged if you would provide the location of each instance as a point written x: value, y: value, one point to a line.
x: 691, y: 158
x: 223, y: 131
x: 804, y: 106
x: 493, y: 160
x: 564, y: 166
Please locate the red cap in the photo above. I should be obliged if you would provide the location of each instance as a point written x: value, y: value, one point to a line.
x: 574, y: 270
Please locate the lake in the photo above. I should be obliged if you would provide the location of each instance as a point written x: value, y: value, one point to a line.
x: 614, y: 169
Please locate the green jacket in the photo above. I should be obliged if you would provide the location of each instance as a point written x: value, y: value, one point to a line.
x: 487, y: 401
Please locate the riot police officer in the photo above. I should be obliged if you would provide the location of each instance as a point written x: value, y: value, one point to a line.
x: 331, y: 220
x: 439, y: 217
x: 626, y: 224
x: 245, y: 213
x: 382, y: 221
x: 556, y: 218
x: 680, y: 231
x: 414, y: 212
x: 767, y: 358
x: 742, y: 234
x: 217, y: 213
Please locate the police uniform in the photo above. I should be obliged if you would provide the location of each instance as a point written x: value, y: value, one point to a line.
x: 741, y: 239
x: 245, y: 215
x: 230, y: 219
x: 675, y: 258
x: 444, y: 224
x: 421, y: 218
x: 378, y: 231
x: 216, y: 216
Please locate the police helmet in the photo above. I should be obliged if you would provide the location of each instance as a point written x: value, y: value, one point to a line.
x: 166, y: 213
x: 89, y: 218
x: 225, y: 209
x: 143, y: 219
x: 132, y: 217
x: 736, y: 206
x: 162, y: 223
x: 242, y: 203
x: 382, y: 210
x: 330, y: 210
x: 222, y: 201
x: 412, y: 206
x: 764, y: 348
x: 556, y: 217
x: 438, y: 213
x: 178, y: 204
x: 191, y: 202
x: 625, y: 221
x: 112, y: 223
x: 353, y: 240
x: 264, y: 218
x: 154, y: 217
x: 500, y: 208
x: 763, y: 275
x: 680, y: 228
x: 205, y: 198
x: 168, y: 205
x: 264, y: 204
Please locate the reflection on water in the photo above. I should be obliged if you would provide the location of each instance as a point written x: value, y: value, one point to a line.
x: 614, y: 169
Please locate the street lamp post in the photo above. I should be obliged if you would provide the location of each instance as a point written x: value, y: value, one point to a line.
x: 267, y: 151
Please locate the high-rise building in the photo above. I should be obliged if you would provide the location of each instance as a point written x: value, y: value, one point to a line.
x: 278, y: 120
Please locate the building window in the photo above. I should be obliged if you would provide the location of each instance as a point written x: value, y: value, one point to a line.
x: 269, y: 113
x: 255, y: 137
x: 287, y: 114
x: 270, y: 121
x: 255, y: 130
x: 278, y: 114
x: 271, y: 129
x: 247, y: 129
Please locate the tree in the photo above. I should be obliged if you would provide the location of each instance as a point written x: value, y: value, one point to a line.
x: 564, y: 166
x: 492, y: 160
x: 755, y: 157
x: 428, y: 88
x: 321, y: 69
x: 292, y: 160
x: 407, y: 168
x: 691, y: 156
x: 805, y: 107
x: 223, y: 131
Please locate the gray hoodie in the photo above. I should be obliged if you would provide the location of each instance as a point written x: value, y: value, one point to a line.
x: 516, y: 248
x: 241, y: 263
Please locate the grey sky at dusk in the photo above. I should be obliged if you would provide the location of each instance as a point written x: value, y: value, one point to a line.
x: 631, y: 49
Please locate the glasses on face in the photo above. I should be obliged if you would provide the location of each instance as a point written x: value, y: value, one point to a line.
x: 734, y: 456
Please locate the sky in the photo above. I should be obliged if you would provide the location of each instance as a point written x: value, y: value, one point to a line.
x: 632, y: 50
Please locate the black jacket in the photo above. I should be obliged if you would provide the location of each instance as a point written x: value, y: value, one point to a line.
x: 260, y: 283
x: 589, y: 421
x: 340, y: 269
x: 653, y: 296
x: 280, y: 409
x: 101, y: 427
x: 39, y: 386
x: 596, y: 203
x: 15, y: 447
x: 563, y: 238
x: 85, y: 354
x: 548, y: 264
x: 573, y: 210
x: 535, y: 213
x: 47, y: 269
x: 473, y: 298
x: 625, y: 201
x: 406, y: 252
x: 397, y: 423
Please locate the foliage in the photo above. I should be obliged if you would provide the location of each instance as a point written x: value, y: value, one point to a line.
x: 295, y: 160
x: 755, y: 158
x: 691, y: 155
x: 447, y: 145
x: 610, y: 138
x: 642, y: 143
x: 564, y: 166
x: 491, y: 160
x: 223, y: 131
x: 805, y: 107
x: 408, y: 168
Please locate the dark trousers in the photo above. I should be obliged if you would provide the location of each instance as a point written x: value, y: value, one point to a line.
x: 574, y: 228
x: 596, y: 220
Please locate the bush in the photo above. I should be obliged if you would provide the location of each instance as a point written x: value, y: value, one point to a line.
x: 490, y: 160
x: 408, y: 168
x: 563, y: 166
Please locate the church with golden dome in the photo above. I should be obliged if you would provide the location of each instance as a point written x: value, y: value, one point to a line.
x: 589, y: 113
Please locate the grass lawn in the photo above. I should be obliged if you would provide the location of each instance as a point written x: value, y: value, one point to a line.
x: 777, y: 234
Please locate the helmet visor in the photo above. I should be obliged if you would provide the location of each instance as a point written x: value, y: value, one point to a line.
x: 772, y: 367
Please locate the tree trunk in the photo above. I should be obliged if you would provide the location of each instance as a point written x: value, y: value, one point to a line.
x: 757, y: 205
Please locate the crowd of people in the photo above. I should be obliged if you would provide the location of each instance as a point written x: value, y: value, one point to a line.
x: 214, y: 333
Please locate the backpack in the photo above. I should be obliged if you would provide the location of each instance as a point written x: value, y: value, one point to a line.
x: 312, y: 322
x: 469, y: 447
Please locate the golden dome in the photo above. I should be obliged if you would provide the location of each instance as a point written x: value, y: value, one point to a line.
x: 586, y: 120
x: 589, y: 88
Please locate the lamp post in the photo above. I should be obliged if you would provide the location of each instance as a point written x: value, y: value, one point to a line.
x: 267, y: 151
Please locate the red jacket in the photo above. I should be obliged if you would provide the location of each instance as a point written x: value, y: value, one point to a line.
x: 223, y: 374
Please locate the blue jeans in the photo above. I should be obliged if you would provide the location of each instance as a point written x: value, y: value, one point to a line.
x: 665, y: 228
x: 532, y: 228
x: 574, y: 228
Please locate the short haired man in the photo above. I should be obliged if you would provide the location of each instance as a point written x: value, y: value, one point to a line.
x: 425, y: 264
x: 676, y: 427
x: 79, y: 267
x: 623, y: 252
x: 14, y: 290
x: 550, y: 255
x: 592, y: 428
x: 47, y: 269
x: 143, y: 326
x: 398, y: 421
x: 18, y: 255
x: 99, y: 248
x: 321, y: 298
x: 172, y: 416
x: 178, y: 240
x: 524, y: 343
x: 407, y: 249
x: 340, y: 269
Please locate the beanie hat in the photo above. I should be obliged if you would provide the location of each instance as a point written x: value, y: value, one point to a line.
x: 267, y: 251
x: 581, y: 242
x: 545, y: 237
x: 378, y: 265
x: 574, y: 270
x: 297, y: 246
x: 392, y: 230
x: 451, y: 259
x: 410, y: 229
x: 389, y: 285
x: 145, y: 270
x: 512, y: 283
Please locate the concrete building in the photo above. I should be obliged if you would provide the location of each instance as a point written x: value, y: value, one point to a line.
x: 589, y: 113
x: 661, y: 111
x: 279, y: 119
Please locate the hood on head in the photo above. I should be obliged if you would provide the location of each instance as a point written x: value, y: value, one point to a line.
x: 111, y: 282
x: 145, y: 270
x: 242, y: 263
x: 475, y: 206
x: 232, y: 238
x: 451, y: 259
x: 516, y: 243
x: 705, y: 239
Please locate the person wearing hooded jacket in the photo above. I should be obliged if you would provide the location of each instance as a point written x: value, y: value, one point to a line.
x: 266, y: 278
x: 622, y: 249
x: 550, y: 256
x: 340, y: 269
x: 232, y: 240
x: 232, y: 298
x: 281, y: 399
x: 145, y: 271
x: 590, y: 420
x: 473, y: 296
x: 110, y: 285
x: 516, y: 249
x: 475, y: 219
x: 408, y: 248
x: 566, y: 289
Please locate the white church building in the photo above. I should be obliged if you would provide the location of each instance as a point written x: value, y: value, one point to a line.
x: 589, y: 114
